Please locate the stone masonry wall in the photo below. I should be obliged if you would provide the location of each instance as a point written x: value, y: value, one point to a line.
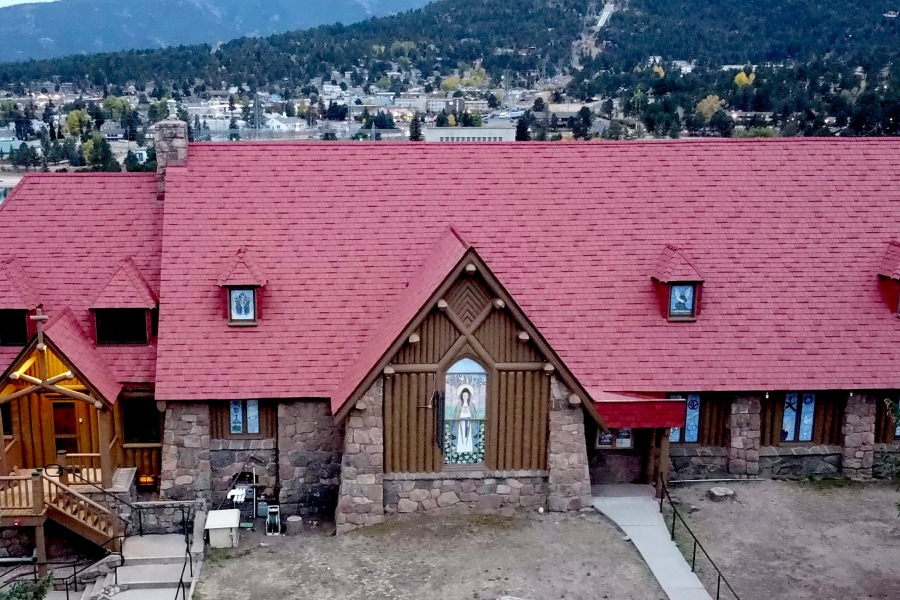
x: 310, y: 444
x: 794, y: 462
x: 171, y: 148
x: 16, y: 542
x: 164, y: 517
x: 569, y: 485
x: 361, y: 496
x: 185, y: 453
x: 859, y: 436
x: 227, y: 458
x: 743, y: 456
x: 698, y: 462
x: 463, y: 492
x: 886, y: 462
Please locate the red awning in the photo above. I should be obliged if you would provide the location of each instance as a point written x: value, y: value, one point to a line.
x: 622, y: 409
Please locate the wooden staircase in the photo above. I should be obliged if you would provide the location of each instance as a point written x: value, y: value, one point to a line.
x: 40, y: 495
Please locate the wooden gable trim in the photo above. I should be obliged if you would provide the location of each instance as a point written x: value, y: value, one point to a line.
x: 471, y: 257
x: 26, y: 355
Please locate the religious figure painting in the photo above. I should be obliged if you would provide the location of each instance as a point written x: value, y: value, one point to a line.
x: 242, y: 305
x: 464, y: 412
x: 681, y: 302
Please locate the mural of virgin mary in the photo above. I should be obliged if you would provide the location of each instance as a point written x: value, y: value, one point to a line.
x: 465, y: 415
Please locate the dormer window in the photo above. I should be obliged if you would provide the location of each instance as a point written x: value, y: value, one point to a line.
x: 121, y: 326
x: 242, y: 282
x: 682, y: 301
x: 678, y: 285
x: 242, y: 306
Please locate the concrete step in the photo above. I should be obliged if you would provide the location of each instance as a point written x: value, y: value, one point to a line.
x: 154, y: 549
x: 153, y: 576
x: 54, y: 595
x: 161, y: 593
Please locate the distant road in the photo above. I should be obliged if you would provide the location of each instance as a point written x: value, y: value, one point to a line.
x: 608, y: 9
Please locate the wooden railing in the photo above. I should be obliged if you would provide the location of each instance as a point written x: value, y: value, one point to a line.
x: 13, y: 453
x: 80, y: 507
x: 16, y: 492
x: 86, y: 464
x: 144, y: 457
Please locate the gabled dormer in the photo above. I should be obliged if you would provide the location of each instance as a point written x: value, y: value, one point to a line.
x: 889, y: 273
x: 242, y: 282
x: 125, y: 308
x: 678, y: 285
x: 17, y: 300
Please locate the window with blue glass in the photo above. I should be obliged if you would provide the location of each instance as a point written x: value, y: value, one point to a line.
x: 682, y: 301
x: 690, y: 433
x: 799, y: 417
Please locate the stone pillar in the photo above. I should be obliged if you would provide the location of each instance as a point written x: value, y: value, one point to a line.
x: 859, y: 436
x: 361, y: 496
x: 310, y: 444
x: 171, y: 140
x: 185, y: 453
x: 743, y: 455
x: 569, y: 486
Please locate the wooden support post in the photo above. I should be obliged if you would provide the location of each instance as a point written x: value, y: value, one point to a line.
x: 61, y: 461
x: 663, y: 461
x: 653, y: 458
x: 4, y: 465
x: 37, y: 493
x: 40, y: 546
x: 105, y: 425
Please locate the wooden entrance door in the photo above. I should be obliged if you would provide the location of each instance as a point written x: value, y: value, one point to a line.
x: 65, y: 427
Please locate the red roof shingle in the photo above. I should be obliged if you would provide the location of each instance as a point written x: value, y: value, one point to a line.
x: 71, y: 233
x: 789, y: 235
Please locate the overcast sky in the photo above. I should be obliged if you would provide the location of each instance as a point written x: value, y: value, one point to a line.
x: 11, y: 2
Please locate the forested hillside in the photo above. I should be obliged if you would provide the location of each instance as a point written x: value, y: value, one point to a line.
x: 516, y: 35
x: 717, y: 32
x: 89, y: 26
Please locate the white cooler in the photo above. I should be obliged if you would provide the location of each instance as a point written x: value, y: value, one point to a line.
x: 224, y: 528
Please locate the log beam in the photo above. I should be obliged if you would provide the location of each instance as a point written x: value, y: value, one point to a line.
x: 105, y: 426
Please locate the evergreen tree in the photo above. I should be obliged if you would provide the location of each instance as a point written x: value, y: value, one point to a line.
x: 522, y: 132
x: 415, y: 129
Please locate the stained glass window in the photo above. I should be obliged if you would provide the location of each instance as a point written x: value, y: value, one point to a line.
x: 242, y: 304
x: 690, y: 433
x: 237, y: 416
x: 252, y: 416
x: 799, y: 417
x: 465, y: 404
x: 681, y: 301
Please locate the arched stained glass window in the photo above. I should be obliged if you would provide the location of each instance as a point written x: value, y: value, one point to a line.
x: 465, y: 407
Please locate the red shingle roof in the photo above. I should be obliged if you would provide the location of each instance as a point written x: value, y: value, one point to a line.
x: 16, y: 291
x: 440, y: 261
x: 890, y: 265
x: 63, y: 331
x: 127, y: 288
x: 70, y: 233
x: 674, y: 267
x: 241, y: 271
x: 790, y: 234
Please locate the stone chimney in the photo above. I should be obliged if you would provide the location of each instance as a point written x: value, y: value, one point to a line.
x: 171, y: 146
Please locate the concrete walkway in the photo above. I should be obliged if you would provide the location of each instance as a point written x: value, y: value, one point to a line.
x: 635, y: 510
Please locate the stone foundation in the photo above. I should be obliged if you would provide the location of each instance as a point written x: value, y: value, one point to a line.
x: 228, y: 458
x: 164, y: 517
x: 886, y: 461
x: 743, y: 454
x: 361, y: 499
x: 16, y: 542
x: 464, y: 492
x: 795, y: 462
x: 859, y: 436
x: 310, y: 444
x: 698, y: 462
x: 569, y: 481
x: 186, y: 471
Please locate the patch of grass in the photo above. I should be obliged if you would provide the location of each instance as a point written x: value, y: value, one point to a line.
x: 825, y: 484
x: 217, y: 556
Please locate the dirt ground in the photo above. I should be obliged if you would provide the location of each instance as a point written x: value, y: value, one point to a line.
x: 828, y: 540
x: 535, y: 557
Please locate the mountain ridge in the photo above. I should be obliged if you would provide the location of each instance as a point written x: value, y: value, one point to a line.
x: 68, y: 27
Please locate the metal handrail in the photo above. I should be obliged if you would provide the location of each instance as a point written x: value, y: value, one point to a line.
x: 720, y: 577
x: 188, y: 557
x: 34, y: 574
